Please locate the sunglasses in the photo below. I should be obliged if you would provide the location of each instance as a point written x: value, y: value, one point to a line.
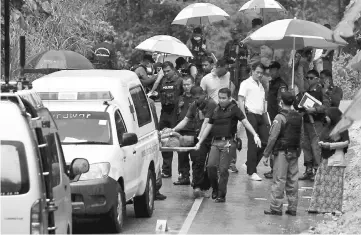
x: 310, y: 78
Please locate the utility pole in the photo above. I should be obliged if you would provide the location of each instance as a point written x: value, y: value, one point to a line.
x: 7, y: 40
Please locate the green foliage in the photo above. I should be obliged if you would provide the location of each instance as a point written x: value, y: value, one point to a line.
x: 67, y: 25
x: 345, y: 77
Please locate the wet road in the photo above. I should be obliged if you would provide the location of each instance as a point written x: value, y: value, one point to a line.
x: 242, y: 213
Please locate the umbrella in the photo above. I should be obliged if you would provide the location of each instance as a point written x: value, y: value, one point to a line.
x: 352, y: 114
x: 165, y: 44
x: 263, y: 7
x: 294, y: 34
x: 59, y: 60
x: 200, y: 14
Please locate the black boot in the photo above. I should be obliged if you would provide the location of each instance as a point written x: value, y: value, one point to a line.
x: 307, y: 175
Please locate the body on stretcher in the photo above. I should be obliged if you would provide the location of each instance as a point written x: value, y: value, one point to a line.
x: 171, y: 141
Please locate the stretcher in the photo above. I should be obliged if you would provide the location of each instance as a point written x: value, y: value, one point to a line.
x: 176, y: 149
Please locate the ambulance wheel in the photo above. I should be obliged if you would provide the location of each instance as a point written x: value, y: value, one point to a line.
x: 117, y: 214
x: 144, y: 204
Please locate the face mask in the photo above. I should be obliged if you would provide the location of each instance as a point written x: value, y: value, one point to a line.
x: 197, y: 38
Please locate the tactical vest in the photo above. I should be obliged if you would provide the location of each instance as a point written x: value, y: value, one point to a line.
x: 242, y: 52
x: 168, y: 91
x: 223, y: 121
x: 197, y: 50
x: 290, y: 135
x: 272, y: 104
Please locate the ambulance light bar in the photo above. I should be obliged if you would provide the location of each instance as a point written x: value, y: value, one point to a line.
x: 75, y: 95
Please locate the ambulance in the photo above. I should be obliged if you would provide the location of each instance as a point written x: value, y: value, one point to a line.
x: 104, y: 116
x: 35, y: 181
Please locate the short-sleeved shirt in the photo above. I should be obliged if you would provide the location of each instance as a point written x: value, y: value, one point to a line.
x: 225, y: 120
x: 211, y: 84
x: 254, y: 95
x: 197, y: 115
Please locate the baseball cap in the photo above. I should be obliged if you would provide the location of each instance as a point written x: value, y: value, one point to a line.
x: 149, y: 58
x: 274, y: 64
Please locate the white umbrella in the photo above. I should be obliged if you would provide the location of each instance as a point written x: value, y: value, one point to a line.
x: 165, y: 44
x: 263, y: 7
x: 200, y: 14
x: 293, y: 34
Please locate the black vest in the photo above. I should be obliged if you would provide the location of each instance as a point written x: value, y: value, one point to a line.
x: 290, y: 135
x: 168, y: 91
x: 272, y: 104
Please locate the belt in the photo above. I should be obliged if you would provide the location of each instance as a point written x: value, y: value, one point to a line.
x: 223, y: 138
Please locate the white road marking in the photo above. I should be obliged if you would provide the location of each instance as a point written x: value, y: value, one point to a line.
x: 262, y: 199
x: 306, y: 197
x: 306, y: 187
x: 191, y: 215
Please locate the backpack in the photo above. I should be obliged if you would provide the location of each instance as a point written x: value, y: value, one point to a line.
x: 290, y: 132
x: 102, y: 54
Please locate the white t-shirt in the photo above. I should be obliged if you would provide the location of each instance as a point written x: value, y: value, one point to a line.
x: 211, y: 84
x: 254, y: 95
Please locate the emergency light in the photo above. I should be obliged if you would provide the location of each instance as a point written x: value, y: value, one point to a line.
x: 77, y: 95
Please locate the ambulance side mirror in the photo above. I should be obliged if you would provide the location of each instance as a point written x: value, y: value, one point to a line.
x: 78, y: 166
x: 128, y: 139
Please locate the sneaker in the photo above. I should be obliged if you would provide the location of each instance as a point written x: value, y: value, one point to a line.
x: 220, y: 199
x: 182, y: 181
x: 233, y: 168
x: 255, y: 177
x: 159, y: 196
x: 197, y: 192
x: 268, y: 175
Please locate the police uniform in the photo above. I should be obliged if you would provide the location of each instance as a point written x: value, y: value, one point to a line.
x: 311, y: 131
x: 224, y: 121
x: 284, y: 143
x: 230, y: 54
x: 183, y: 157
x: 170, y: 90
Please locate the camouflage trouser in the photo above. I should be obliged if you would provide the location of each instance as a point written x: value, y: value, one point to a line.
x: 285, y: 178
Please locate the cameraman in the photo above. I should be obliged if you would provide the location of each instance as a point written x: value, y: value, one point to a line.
x: 236, y: 54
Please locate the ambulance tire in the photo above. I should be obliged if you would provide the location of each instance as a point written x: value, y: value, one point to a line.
x: 117, y: 214
x: 144, y: 204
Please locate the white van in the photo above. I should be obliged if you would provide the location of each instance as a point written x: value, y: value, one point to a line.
x: 35, y: 185
x: 104, y: 116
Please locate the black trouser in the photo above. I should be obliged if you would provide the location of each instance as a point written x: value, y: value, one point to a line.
x: 254, y: 154
x: 183, y: 164
x: 199, y: 158
x: 168, y: 119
